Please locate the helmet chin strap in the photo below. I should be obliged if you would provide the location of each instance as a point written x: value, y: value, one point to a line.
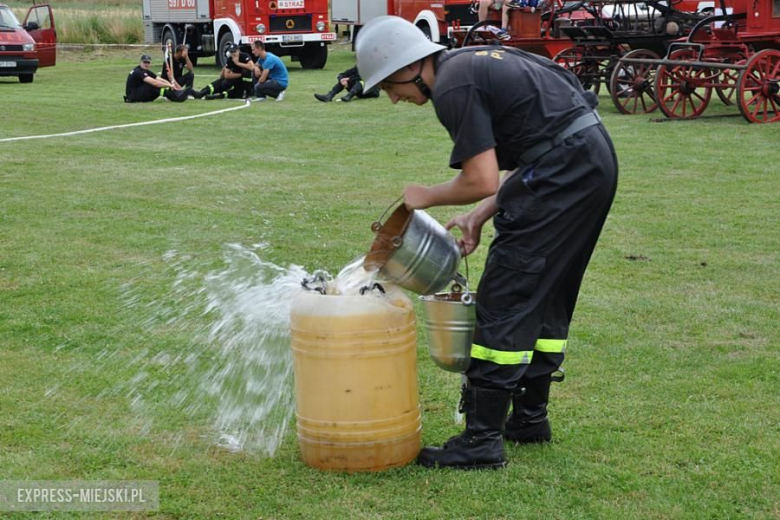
x: 417, y: 80
x: 419, y: 83
x: 421, y: 86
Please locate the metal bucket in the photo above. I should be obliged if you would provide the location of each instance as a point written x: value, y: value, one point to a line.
x: 414, y: 251
x: 450, y: 319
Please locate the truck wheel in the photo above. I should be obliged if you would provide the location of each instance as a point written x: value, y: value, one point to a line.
x: 315, y: 57
x: 26, y: 78
x: 168, y: 37
x: 225, y: 41
x: 425, y: 30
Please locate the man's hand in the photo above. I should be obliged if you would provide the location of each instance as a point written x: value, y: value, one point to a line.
x: 344, y: 82
x: 416, y: 197
x: 471, y: 232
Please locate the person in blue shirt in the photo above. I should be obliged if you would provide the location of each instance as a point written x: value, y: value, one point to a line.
x: 270, y: 73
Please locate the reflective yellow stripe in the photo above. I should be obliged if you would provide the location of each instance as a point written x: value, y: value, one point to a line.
x: 501, y: 357
x: 162, y: 91
x: 554, y: 346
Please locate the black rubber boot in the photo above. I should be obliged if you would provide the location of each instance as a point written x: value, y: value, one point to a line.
x: 482, y: 444
x: 205, y: 91
x: 347, y: 98
x: 327, y: 98
x: 528, y: 422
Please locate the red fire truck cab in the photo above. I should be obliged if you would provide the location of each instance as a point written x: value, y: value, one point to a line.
x: 297, y: 28
x: 435, y: 18
x: 24, y: 47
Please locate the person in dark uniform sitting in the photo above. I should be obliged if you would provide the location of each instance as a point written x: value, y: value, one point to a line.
x: 181, y: 61
x: 143, y: 85
x: 235, y: 79
x: 350, y: 81
x: 506, y: 109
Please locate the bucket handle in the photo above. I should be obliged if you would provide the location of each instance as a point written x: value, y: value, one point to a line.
x: 367, y: 288
x: 377, y: 225
x: 317, y: 278
x: 460, y: 282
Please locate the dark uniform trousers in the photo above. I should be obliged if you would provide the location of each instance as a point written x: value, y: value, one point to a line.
x: 237, y: 88
x: 186, y: 80
x: 148, y: 93
x: 355, y: 88
x: 550, y: 216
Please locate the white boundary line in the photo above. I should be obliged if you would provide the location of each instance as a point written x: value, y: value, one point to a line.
x: 129, y: 125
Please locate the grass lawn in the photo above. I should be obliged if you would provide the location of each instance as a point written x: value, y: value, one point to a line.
x: 670, y: 408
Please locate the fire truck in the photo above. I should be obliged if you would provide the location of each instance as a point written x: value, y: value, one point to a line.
x: 300, y: 29
x: 435, y: 18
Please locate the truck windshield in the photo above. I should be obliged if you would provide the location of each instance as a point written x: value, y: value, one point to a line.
x: 7, y: 19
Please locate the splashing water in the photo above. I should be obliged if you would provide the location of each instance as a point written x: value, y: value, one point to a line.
x: 352, y: 278
x: 252, y: 379
x: 240, y: 377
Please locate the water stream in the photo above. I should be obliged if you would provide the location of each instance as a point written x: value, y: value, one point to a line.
x: 236, y: 374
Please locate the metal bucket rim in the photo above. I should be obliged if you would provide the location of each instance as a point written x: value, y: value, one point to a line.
x: 382, y: 248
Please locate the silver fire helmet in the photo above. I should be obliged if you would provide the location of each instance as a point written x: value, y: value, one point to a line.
x: 387, y: 44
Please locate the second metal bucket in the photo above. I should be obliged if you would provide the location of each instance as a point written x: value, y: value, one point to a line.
x: 414, y: 251
x: 450, y: 319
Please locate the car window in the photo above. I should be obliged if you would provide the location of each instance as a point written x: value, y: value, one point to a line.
x: 776, y: 9
x: 7, y: 18
x: 40, y: 15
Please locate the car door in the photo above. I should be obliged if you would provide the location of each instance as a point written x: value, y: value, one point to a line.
x: 45, y: 35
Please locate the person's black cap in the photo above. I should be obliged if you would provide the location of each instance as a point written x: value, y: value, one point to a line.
x: 233, y: 48
x: 146, y: 58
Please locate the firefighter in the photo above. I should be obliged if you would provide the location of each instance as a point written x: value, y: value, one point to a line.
x: 143, y: 85
x: 235, y: 79
x: 506, y: 109
x: 350, y: 81
x: 181, y: 61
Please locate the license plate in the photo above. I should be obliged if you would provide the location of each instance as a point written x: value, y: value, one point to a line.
x: 7, y: 64
x: 291, y: 4
x: 287, y: 38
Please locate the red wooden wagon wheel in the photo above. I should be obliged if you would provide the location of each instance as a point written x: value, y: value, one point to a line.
x: 584, y: 67
x: 683, y: 91
x: 728, y: 81
x: 632, y: 85
x: 758, y: 88
x: 728, y: 77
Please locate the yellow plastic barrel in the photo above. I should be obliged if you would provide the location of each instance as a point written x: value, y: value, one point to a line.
x: 355, y: 363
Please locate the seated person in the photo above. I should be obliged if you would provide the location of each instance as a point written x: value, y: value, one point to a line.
x: 496, y: 5
x: 503, y: 5
x: 181, y: 60
x: 271, y: 78
x: 353, y: 83
x: 143, y: 85
x: 234, y: 79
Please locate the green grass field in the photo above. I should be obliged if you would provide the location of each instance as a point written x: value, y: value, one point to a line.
x: 91, y: 21
x: 670, y: 408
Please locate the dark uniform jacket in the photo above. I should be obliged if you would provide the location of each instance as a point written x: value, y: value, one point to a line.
x: 243, y: 58
x: 178, y: 69
x: 137, y: 90
x: 507, y: 99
